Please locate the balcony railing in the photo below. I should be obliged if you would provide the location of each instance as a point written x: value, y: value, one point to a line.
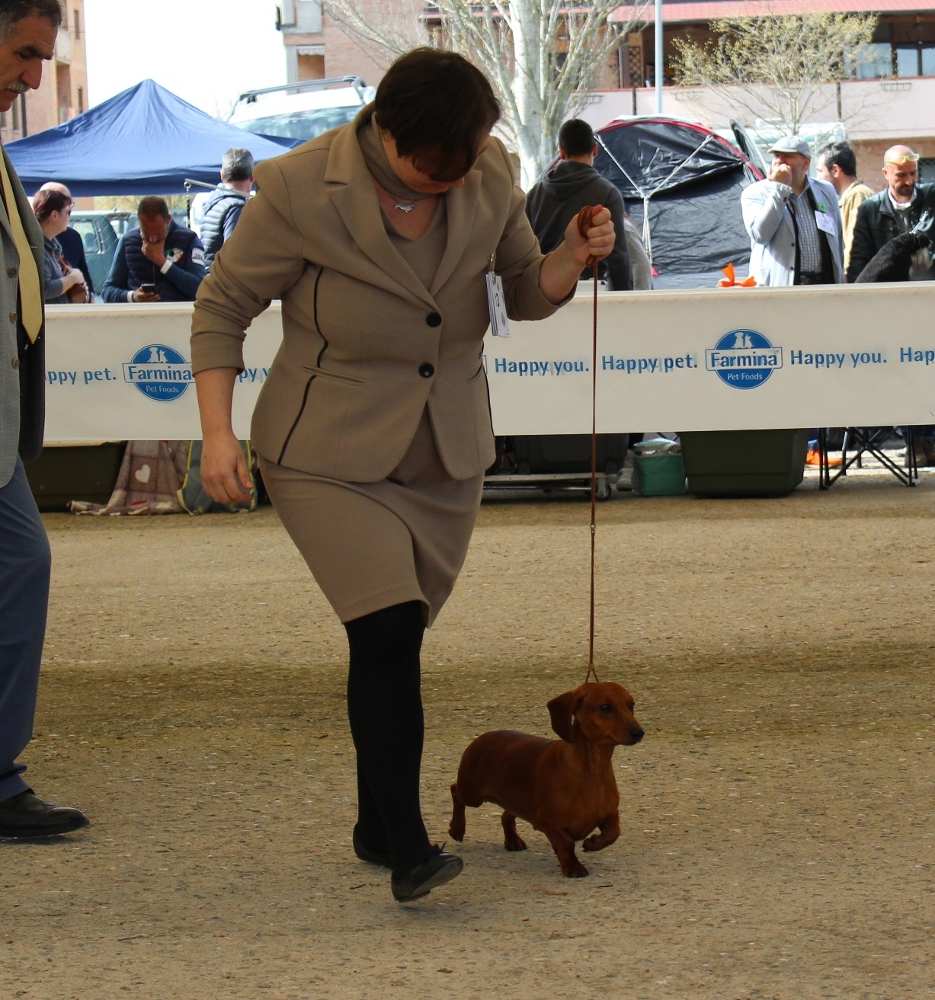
x: 870, y: 109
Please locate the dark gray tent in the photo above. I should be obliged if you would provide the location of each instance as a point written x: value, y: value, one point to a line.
x: 681, y: 183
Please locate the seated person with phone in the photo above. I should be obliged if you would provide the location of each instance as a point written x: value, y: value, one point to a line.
x: 159, y: 261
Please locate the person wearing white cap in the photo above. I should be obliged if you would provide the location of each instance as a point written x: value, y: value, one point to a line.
x: 904, y: 206
x: 793, y: 221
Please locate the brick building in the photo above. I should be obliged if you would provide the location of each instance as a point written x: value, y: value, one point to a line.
x: 64, y: 90
x: 887, y: 100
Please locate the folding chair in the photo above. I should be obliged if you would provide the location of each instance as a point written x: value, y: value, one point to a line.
x: 866, y: 441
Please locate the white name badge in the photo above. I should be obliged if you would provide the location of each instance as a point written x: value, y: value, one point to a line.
x: 499, y: 322
x: 825, y: 222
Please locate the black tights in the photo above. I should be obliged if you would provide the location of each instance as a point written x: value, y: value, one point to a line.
x: 384, y: 705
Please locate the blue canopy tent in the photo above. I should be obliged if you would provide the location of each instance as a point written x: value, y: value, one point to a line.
x: 143, y: 141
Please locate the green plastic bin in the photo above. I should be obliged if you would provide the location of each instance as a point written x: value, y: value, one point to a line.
x: 658, y: 475
x: 744, y: 463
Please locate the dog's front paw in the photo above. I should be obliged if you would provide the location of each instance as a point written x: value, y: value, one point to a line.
x: 592, y: 843
x: 577, y: 870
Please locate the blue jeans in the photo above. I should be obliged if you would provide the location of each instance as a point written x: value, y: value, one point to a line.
x: 25, y: 565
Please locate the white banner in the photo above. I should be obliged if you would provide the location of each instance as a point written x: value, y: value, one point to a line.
x: 725, y: 359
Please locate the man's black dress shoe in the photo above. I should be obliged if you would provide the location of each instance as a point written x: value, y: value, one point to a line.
x: 368, y: 854
x: 436, y: 870
x: 26, y: 815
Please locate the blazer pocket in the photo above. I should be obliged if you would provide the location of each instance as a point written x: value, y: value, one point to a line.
x: 325, y: 374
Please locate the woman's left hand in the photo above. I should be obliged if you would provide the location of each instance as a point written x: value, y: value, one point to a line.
x: 599, y: 240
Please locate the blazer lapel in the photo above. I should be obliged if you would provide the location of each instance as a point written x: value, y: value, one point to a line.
x: 24, y: 207
x: 4, y: 208
x: 360, y: 211
x: 355, y: 200
x: 461, y: 206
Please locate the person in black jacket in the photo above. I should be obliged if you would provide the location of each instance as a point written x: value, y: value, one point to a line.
x: 222, y: 209
x: 159, y: 252
x: 567, y: 188
x: 904, y: 206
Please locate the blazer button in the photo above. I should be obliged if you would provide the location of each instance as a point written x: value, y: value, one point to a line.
x: 433, y: 319
x: 426, y: 370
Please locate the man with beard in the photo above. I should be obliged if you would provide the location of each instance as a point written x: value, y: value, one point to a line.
x: 891, y: 220
x: 904, y: 206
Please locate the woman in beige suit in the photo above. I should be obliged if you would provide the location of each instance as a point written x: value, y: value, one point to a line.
x: 373, y: 428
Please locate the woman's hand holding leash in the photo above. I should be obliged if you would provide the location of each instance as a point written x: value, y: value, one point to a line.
x: 563, y: 266
x: 593, y: 240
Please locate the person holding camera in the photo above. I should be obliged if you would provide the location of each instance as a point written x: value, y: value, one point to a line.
x: 158, y: 261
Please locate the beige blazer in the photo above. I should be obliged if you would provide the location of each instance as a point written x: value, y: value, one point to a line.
x: 366, y: 347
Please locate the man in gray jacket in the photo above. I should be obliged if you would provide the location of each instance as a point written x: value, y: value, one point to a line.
x: 570, y: 185
x: 221, y: 211
x: 794, y: 222
x: 28, y: 29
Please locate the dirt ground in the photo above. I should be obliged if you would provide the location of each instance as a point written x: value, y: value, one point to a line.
x: 777, y: 820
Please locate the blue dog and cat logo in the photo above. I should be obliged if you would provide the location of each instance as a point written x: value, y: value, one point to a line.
x: 159, y: 372
x: 743, y: 359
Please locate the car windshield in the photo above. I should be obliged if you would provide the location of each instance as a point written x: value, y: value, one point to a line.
x: 301, y: 124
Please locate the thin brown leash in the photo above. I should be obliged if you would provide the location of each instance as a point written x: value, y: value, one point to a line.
x: 584, y: 223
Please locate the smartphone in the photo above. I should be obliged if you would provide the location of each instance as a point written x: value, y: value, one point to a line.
x: 148, y: 287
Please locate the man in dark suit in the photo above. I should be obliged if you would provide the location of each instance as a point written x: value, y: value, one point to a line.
x: 28, y: 30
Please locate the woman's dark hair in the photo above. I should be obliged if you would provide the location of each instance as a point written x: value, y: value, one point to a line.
x: 47, y: 202
x: 437, y: 107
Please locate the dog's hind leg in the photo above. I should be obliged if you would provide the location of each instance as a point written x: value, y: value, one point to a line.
x: 457, y: 826
x: 512, y: 841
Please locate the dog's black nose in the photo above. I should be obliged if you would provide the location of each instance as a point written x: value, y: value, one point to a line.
x: 638, y: 734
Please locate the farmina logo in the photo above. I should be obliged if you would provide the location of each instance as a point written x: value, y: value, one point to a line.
x: 743, y: 359
x: 159, y: 372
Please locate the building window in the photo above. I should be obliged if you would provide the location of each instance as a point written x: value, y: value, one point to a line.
x: 873, y: 61
x: 80, y: 100
x: 76, y: 21
x: 907, y: 60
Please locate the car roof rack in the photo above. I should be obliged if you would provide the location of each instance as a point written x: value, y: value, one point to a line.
x: 250, y: 96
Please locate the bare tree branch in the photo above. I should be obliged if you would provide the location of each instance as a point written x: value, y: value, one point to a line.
x: 541, y: 56
x: 776, y: 67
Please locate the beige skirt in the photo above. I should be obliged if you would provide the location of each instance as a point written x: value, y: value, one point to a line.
x: 372, y: 545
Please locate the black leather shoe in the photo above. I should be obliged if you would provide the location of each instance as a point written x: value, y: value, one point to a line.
x: 369, y: 855
x: 438, y: 869
x: 26, y: 815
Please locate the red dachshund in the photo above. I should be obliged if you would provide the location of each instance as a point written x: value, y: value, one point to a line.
x: 566, y: 787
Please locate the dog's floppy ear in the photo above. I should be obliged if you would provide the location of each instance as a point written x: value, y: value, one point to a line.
x: 562, y: 713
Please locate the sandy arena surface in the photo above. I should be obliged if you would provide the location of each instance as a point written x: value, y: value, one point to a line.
x: 777, y: 820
